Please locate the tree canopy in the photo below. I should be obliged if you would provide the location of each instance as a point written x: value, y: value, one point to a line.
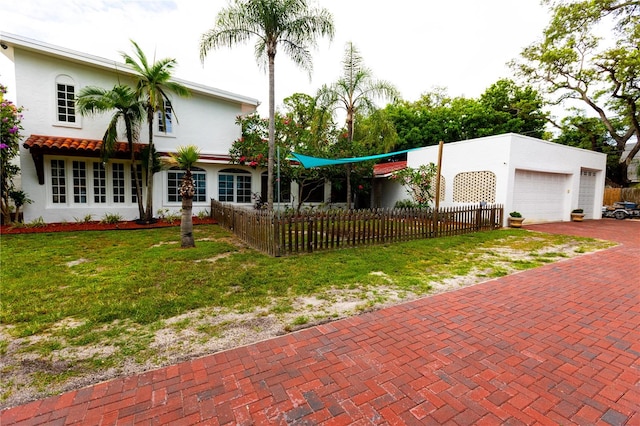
x: 290, y: 25
x: 589, y: 53
x: 504, y: 107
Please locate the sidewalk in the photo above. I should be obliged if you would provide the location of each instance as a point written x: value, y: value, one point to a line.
x: 559, y: 344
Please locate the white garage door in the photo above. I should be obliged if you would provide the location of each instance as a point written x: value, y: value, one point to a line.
x: 539, y: 196
x: 586, y: 197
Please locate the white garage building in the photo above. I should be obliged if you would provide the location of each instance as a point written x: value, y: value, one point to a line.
x: 542, y: 180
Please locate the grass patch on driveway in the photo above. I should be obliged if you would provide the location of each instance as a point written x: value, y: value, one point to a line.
x: 80, y: 304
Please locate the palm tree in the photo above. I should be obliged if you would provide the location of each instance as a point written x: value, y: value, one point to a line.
x: 154, y: 84
x: 129, y: 108
x: 355, y: 92
x: 288, y: 24
x: 185, y: 157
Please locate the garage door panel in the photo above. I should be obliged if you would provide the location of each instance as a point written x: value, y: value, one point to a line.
x: 540, y: 196
x: 587, y: 194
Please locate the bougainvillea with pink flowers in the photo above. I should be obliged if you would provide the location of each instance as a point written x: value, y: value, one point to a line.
x: 10, y: 128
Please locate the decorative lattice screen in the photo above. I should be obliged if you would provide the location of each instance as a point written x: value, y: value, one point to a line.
x: 474, y: 187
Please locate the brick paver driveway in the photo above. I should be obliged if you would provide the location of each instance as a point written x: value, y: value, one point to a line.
x: 558, y: 344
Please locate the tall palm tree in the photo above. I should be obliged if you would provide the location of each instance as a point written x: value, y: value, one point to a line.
x: 129, y: 108
x: 154, y: 84
x: 355, y: 92
x: 185, y: 157
x: 288, y: 24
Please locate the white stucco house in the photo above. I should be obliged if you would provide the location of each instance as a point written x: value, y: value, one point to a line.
x: 544, y: 181
x: 59, y: 159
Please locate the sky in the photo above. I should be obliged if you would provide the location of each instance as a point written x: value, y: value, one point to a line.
x: 417, y: 45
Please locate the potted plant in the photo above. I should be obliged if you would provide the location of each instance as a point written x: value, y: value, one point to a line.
x: 577, y: 215
x: 515, y: 220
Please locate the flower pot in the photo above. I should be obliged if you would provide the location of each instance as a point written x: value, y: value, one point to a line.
x: 515, y: 222
x: 577, y: 217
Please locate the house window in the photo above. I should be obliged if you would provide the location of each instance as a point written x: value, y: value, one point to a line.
x: 285, y: 188
x: 234, y: 185
x: 58, y: 182
x: 79, y: 182
x: 65, y: 100
x: 165, y: 124
x: 118, y: 180
x: 99, y: 183
x: 134, y: 195
x: 174, y: 181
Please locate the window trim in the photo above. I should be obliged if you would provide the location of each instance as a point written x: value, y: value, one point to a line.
x: 90, y: 192
x: 195, y: 171
x: 235, y: 173
x: 67, y: 81
x: 169, y: 121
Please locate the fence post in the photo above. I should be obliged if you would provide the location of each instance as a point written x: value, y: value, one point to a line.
x: 310, y: 234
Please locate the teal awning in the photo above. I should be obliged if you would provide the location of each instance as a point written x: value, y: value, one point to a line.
x: 308, y: 161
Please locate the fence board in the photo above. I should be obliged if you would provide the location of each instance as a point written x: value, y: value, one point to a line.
x: 285, y: 234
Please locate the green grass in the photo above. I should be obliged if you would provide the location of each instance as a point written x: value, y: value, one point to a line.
x: 114, y: 289
x: 144, y: 276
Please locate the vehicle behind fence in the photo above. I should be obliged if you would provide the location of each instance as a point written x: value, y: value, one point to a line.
x: 286, y: 233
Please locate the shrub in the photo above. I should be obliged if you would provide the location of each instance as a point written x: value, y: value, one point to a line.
x: 515, y: 214
x: 405, y: 204
x: 111, y: 218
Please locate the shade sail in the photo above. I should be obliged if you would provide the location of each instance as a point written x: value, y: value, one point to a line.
x: 308, y: 161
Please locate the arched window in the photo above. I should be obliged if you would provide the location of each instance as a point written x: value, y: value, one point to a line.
x: 174, y: 180
x: 65, y: 100
x: 234, y: 186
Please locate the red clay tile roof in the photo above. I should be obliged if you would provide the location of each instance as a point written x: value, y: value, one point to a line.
x: 384, y: 169
x: 64, y: 145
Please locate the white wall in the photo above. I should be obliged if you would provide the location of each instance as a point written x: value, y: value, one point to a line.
x: 503, y: 155
x: 204, y: 120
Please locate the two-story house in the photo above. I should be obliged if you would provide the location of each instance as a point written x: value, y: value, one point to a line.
x: 61, y: 169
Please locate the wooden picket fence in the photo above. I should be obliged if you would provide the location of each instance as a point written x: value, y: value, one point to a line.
x: 282, y: 234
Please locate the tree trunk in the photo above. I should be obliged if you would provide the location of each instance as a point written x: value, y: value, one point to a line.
x: 272, y: 129
x: 137, y: 184
x: 187, y: 190
x: 149, y: 213
x: 348, y: 167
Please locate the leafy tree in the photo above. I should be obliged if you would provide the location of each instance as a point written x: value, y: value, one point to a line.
x: 185, y: 157
x: 420, y: 182
x: 10, y: 127
x: 154, y: 85
x: 128, y: 107
x: 356, y: 92
x: 303, y: 128
x: 572, y: 62
x: 513, y: 109
x: 584, y: 132
x: 287, y: 24
x: 503, y: 108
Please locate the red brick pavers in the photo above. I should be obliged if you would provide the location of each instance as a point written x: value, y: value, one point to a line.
x: 559, y: 344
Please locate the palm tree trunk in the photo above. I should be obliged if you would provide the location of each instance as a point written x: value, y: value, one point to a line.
x: 272, y: 131
x: 134, y: 169
x: 187, y: 190
x: 149, y: 212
